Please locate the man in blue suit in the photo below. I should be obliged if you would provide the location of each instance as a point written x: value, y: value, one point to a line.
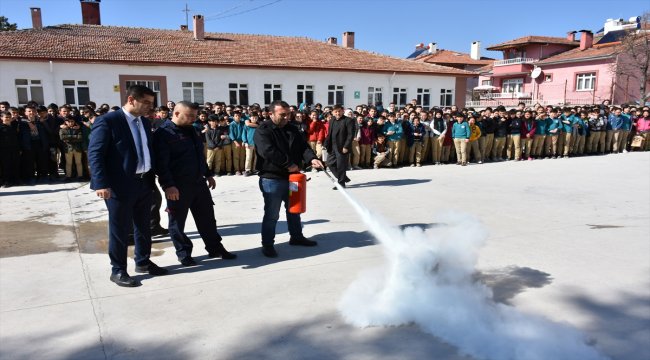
x: 121, y: 167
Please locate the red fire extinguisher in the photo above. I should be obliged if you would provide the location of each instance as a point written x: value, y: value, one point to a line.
x: 297, y: 193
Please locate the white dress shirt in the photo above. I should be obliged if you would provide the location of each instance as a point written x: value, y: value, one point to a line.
x: 139, y: 131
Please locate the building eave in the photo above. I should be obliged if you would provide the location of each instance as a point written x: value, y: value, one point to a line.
x: 566, y: 61
x: 238, y: 66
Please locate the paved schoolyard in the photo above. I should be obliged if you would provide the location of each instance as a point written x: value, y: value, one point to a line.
x: 569, y: 240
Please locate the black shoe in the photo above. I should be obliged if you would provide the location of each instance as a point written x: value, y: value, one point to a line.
x: 269, y: 251
x: 188, y: 261
x: 159, y: 231
x: 347, y: 179
x: 302, y: 241
x: 221, y: 252
x: 152, y: 269
x: 335, y: 188
x: 123, y: 279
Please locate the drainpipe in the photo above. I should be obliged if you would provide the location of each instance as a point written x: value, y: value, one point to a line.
x: 390, y: 86
x: 565, y: 85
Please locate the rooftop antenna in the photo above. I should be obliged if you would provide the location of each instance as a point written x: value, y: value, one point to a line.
x: 187, y: 16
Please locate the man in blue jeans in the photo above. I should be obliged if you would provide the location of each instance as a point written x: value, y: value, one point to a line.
x: 280, y: 150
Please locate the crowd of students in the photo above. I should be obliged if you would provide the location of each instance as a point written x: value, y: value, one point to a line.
x: 37, y: 141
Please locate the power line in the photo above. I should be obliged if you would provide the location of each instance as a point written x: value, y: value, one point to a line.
x: 208, y: 17
x: 245, y: 11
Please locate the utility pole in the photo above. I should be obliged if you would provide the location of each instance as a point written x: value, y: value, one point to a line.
x: 187, y: 16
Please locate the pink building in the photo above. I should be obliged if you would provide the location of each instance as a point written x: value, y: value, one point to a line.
x: 557, y: 71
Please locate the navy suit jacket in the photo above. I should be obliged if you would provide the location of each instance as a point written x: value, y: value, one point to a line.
x: 112, y: 155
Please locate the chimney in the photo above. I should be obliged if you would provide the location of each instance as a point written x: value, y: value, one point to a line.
x: 348, y: 39
x: 199, y: 27
x: 331, y: 40
x: 90, y: 12
x: 475, y: 50
x: 586, y: 39
x: 433, y: 48
x: 571, y: 36
x: 37, y: 20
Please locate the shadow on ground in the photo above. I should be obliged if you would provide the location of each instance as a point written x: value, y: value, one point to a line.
x: 402, y: 182
x: 32, y: 191
x: 620, y: 329
x: 56, y: 344
x: 253, y: 258
x: 507, y: 282
x: 327, y: 337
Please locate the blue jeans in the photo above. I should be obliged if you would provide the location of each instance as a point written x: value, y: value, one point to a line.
x: 275, y: 191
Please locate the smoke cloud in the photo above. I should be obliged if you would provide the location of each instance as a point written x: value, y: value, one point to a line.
x: 428, y: 279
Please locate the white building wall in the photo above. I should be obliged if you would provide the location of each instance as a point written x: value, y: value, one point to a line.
x: 103, y: 80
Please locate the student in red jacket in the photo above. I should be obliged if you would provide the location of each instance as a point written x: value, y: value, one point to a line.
x: 366, y: 140
x: 528, y: 128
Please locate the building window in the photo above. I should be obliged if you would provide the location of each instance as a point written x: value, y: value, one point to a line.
x: 424, y: 98
x: 29, y: 90
x: 193, y: 92
x: 548, y: 77
x: 335, y: 95
x: 399, y: 97
x: 375, y: 95
x: 512, y: 86
x: 446, y: 97
x: 305, y: 94
x: 486, y: 82
x: 585, y: 82
x: 151, y: 84
x: 272, y: 92
x: 76, y: 92
x: 238, y: 94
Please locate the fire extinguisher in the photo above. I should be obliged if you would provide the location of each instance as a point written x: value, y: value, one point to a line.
x: 297, y: 193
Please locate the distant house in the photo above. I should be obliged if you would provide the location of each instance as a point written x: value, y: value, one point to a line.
x: 471, y: 62
x: 76, y: 63
x: 556, y: 71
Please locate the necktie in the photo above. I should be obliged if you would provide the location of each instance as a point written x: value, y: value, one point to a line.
x: 138, y: 144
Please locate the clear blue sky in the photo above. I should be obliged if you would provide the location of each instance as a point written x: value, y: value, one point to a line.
x: 384, y: 26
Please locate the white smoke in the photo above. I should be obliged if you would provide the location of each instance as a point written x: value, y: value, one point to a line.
x: 428, y: 280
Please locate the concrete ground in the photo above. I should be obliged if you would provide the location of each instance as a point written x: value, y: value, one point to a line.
x: 569, y: 240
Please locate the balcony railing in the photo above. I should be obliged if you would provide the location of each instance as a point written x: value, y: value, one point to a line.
x: 510, y: 95
x: 529, y: 102
x: 514, y: 61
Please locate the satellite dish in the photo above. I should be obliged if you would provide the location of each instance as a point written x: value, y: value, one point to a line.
x: 536, y: 73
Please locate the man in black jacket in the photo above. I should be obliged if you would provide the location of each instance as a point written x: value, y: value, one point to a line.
x: 280, y: 148
x: 183, y: 173
x: 339, y: 143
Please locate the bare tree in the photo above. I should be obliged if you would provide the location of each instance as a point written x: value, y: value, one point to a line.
x: 633, y: 58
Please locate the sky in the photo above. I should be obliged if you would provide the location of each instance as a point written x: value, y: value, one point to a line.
x: 383, y: 26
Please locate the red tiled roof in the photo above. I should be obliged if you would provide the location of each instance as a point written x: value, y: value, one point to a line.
x: 582, y: 55
x: 113, y: 44
x: 533, y: 40
x: 451, y: 57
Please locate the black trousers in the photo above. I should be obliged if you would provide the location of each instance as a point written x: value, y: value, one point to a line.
x: 197, y: 199
x: 156, y: 203
x: 34, y: 160
x: 338, y: 162
x: 9, y: 162
x: 124, y: 214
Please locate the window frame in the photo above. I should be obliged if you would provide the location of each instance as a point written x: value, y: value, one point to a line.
x: 29, y: 86
x: 593, y: 78
x: 375, y: 95
x: 446, y: 97
x: 239, y: 91
x: 305, y: 92
x: 335, y: 95
x: 400, y: 94
x: 194, y: 90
